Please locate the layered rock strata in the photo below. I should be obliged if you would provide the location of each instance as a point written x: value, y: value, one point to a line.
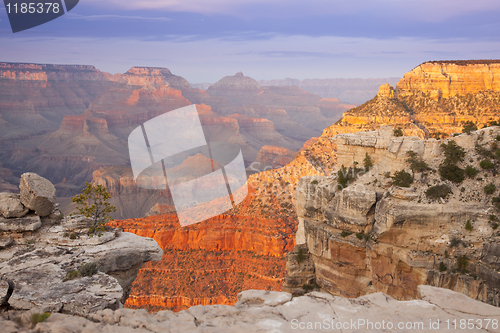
x: 371, y: 236
x: 435, y: 99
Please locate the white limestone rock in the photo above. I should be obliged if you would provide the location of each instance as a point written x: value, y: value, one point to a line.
x: 37, y: 193
x: 11, y: 206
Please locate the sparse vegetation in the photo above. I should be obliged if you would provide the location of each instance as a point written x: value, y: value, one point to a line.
x: 490, y: 188
x: 402, y: 178
x: 345, y: 233
x: 455, y: 242
x: 462, y: 263
x: 438, y: 191
x: 468, y: 226
x: 453, y: 152
x: 442, y: 267
x: 469, y: 126
x: 398, y: 132
x: 367, y: 162
x: 449, y: 169
x: 87, y: 269
x: 300, y: 255
x: 39, y: 317
x: 486, y: 164
x: 452, y: 173
x: 94, y: 204
x: 417, y: 164
x: 470, y: 171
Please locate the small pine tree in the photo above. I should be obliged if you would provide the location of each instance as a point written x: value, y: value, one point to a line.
x: 453, y: 152
x: 367, y: 162
x: 469, y: 126
x: 468, y: 226
x: 95, y: 205
x: 402, y: 179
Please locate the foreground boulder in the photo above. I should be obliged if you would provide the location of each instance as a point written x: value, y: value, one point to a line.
x: 50, y: 263
x: 37, y: 193
x: 11, y: 206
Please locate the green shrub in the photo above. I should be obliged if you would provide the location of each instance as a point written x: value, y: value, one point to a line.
x: 360, y: 235
x: 495, y: 226
x: 367, y: 162
x: 398, y: 132
x: 446, y: 254
x: 417, y: 164
x: 462, y: 262
x: 438, y: 191
x: 93, y: 203
x: 454, y: 242
x: 343, y: 177
x: 72, y: 236
x: 300, y: 255
x: 493, y: 217
x: 442, y: 267
x: 71, y: 275
x: 490, y: 188
x: 498, y: 137
x: 314, y: 182
x: 470, y: 171
x: 39, y: 317
x: 345, y: 233
x: 387, y: 174
x: 402, y: 179
x: 453, y: 153
x: 468, y: 226
x: 452, y: 173
x: 496, y: 202
x: 88, y: 269
x: 486, y: 164
x: 469, y: 126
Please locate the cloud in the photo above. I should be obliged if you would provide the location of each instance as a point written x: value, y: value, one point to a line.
x: 278, y: 56
x: 422, y: 10
x: 110, y: 16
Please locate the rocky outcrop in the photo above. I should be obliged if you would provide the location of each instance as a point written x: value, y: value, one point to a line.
x: 435, y: 99
x: 264, y: 311
x: 51, y: 263
x: 369, y: 236
x: 11, y: 206
x: 37, y: 194
x: 444, y: 79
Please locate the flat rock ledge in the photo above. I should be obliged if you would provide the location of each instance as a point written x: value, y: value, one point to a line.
x: 270, y: 311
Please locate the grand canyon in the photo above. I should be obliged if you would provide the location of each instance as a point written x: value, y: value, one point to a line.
x: 296, y: 230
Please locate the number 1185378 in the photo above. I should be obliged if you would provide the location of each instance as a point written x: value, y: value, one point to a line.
x: 32, y: 8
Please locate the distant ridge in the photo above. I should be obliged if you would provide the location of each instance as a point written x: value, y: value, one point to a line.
x: 355, y: 91
x: 464, y: 62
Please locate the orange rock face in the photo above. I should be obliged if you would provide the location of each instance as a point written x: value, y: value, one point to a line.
x: 210, y: 262
x: 451, y: 78
x: 433, y: 100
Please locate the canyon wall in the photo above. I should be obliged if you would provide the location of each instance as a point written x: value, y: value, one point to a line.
x: 370, y: 236
x: 433, y: 100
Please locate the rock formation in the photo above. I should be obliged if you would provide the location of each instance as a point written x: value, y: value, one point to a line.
x: 263, y: 311
x: 371, y: 236
x: 433, y: 100
x: 52, y: 263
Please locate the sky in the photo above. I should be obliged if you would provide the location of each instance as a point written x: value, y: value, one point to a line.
x: 205, y: 40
